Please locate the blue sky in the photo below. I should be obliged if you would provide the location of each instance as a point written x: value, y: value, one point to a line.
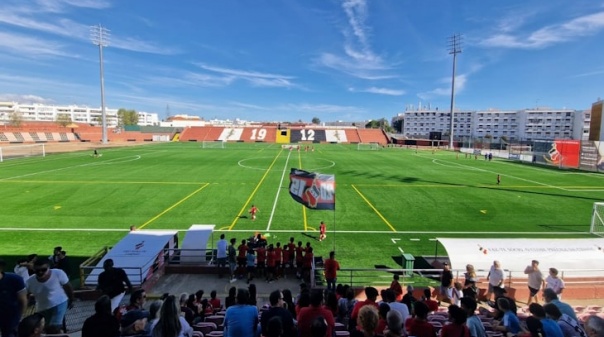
x: 289, y: 60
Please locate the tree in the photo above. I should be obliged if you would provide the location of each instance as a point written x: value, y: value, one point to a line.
x: 63, y: 119
x: 379, y: 124
x: 316, y: 120
x: 398, y: 125
x: 127, y: 117
x: 488, y: 137
x: 15, y: 118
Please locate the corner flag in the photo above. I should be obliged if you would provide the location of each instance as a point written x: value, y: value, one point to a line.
x: 313, y: 190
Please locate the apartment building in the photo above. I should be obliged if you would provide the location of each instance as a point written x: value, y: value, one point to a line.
x: 77, y: 114
x: 527, y: 124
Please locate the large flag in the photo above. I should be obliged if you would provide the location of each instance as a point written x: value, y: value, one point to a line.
x: 313, y: 190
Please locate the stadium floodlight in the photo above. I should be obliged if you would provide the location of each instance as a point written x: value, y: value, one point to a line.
x: 100, y: 37
x: 454, y: 48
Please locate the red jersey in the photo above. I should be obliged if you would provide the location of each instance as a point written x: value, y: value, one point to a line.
x: 278, y: 254
x: 285, y: 255
x: 322, y: 228
x: 261, y: 253
x: 292, y: 248
x: 254, y: 210
x: 215, y: 303
x: 331, y: 268
x: 242, y: 250
x: 299, y: 256
x: 397, y: 288
x: 308, y: 260
x: 270, y: 258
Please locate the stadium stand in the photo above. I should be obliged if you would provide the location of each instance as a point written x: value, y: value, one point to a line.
x: 353, y: 136
x: 373, y: 136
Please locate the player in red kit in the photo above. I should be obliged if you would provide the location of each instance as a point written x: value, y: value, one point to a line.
x: 253, y: 212
x: 322, y: 231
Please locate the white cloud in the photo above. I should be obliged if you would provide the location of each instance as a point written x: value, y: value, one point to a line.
x: 380, y: 91
x: 358, y: 59
x: 460, y: 84
x: 25, y: 98
x: 385, y: 91
x: 548, y: 35
x: 321, y: 108
x: 254, y: 78
x: 29, y: 47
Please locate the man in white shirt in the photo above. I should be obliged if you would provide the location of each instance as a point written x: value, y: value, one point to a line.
x: 495, y: 278
x: 221, y: 254
x: 390, y: 298
x: 53, y: 293
x: 552, y: 281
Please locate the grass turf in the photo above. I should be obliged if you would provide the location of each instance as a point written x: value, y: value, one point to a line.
x: 84, y: 203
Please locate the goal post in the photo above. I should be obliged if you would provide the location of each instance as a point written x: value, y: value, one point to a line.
x: 368, y: 146
x: 597, y: 219
x: 21, y: 151
x: 217, y: 144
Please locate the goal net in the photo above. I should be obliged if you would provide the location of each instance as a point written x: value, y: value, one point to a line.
x: 21, y: 151
x: 368, y: 146
x: 218, y: 144
x: 597, y: 219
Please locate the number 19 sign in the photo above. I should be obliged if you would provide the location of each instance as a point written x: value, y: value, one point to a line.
x: 313, y: 190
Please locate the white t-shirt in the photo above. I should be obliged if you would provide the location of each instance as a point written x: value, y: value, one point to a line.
x: 556, y: 284
x: 50, y: 293
x: 495, y: 276
x: 22, y: 271
x: 221, y: 249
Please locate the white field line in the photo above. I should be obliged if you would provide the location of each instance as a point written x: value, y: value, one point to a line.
x: 436, y: 161
x: 270, y: 219
x: 17, y: 229
x: 110, y: 161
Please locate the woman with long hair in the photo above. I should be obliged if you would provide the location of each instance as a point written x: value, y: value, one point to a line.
x: 231, y: 298
x: 288, y: 299
x: 171, y: 323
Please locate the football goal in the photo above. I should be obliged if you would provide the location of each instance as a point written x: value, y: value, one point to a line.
x: 368, y: 146
x: 21, y: 151
x: 217, y: 144
x: 597, y: 219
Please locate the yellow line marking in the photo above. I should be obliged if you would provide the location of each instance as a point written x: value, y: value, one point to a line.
x: 255, y: 190
x: 171, y: 207
x: 303, y: 207
x: 102, y: 182
x: 312, y: 229
x: 374, y: 209
x: 223, y: 228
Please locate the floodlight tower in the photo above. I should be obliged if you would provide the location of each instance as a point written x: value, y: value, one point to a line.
x: 100, y: 37
x: 454, y: 48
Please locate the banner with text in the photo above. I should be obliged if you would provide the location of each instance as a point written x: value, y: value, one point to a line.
x: 313, y: 190
x: 576, y: 257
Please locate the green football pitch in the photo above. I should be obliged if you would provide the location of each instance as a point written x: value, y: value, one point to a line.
x: 388, y: 201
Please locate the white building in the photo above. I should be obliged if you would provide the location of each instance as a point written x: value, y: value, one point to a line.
x: 77, y: 114
x: 527, y: 124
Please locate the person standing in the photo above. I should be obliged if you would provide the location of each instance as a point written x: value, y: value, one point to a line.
x: 111, y: 283
x: 13, y: 300
x: 446, y: 283
x: 253, y: 212
x: 331, y: 268
x: 53, y: 293
x: 221, y: 255
x: 396, y: 287
x: 535, y: 281
x: 495, y: 278
x: 552, y: 281
x: 232, y: 257
x: 322, y: 231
